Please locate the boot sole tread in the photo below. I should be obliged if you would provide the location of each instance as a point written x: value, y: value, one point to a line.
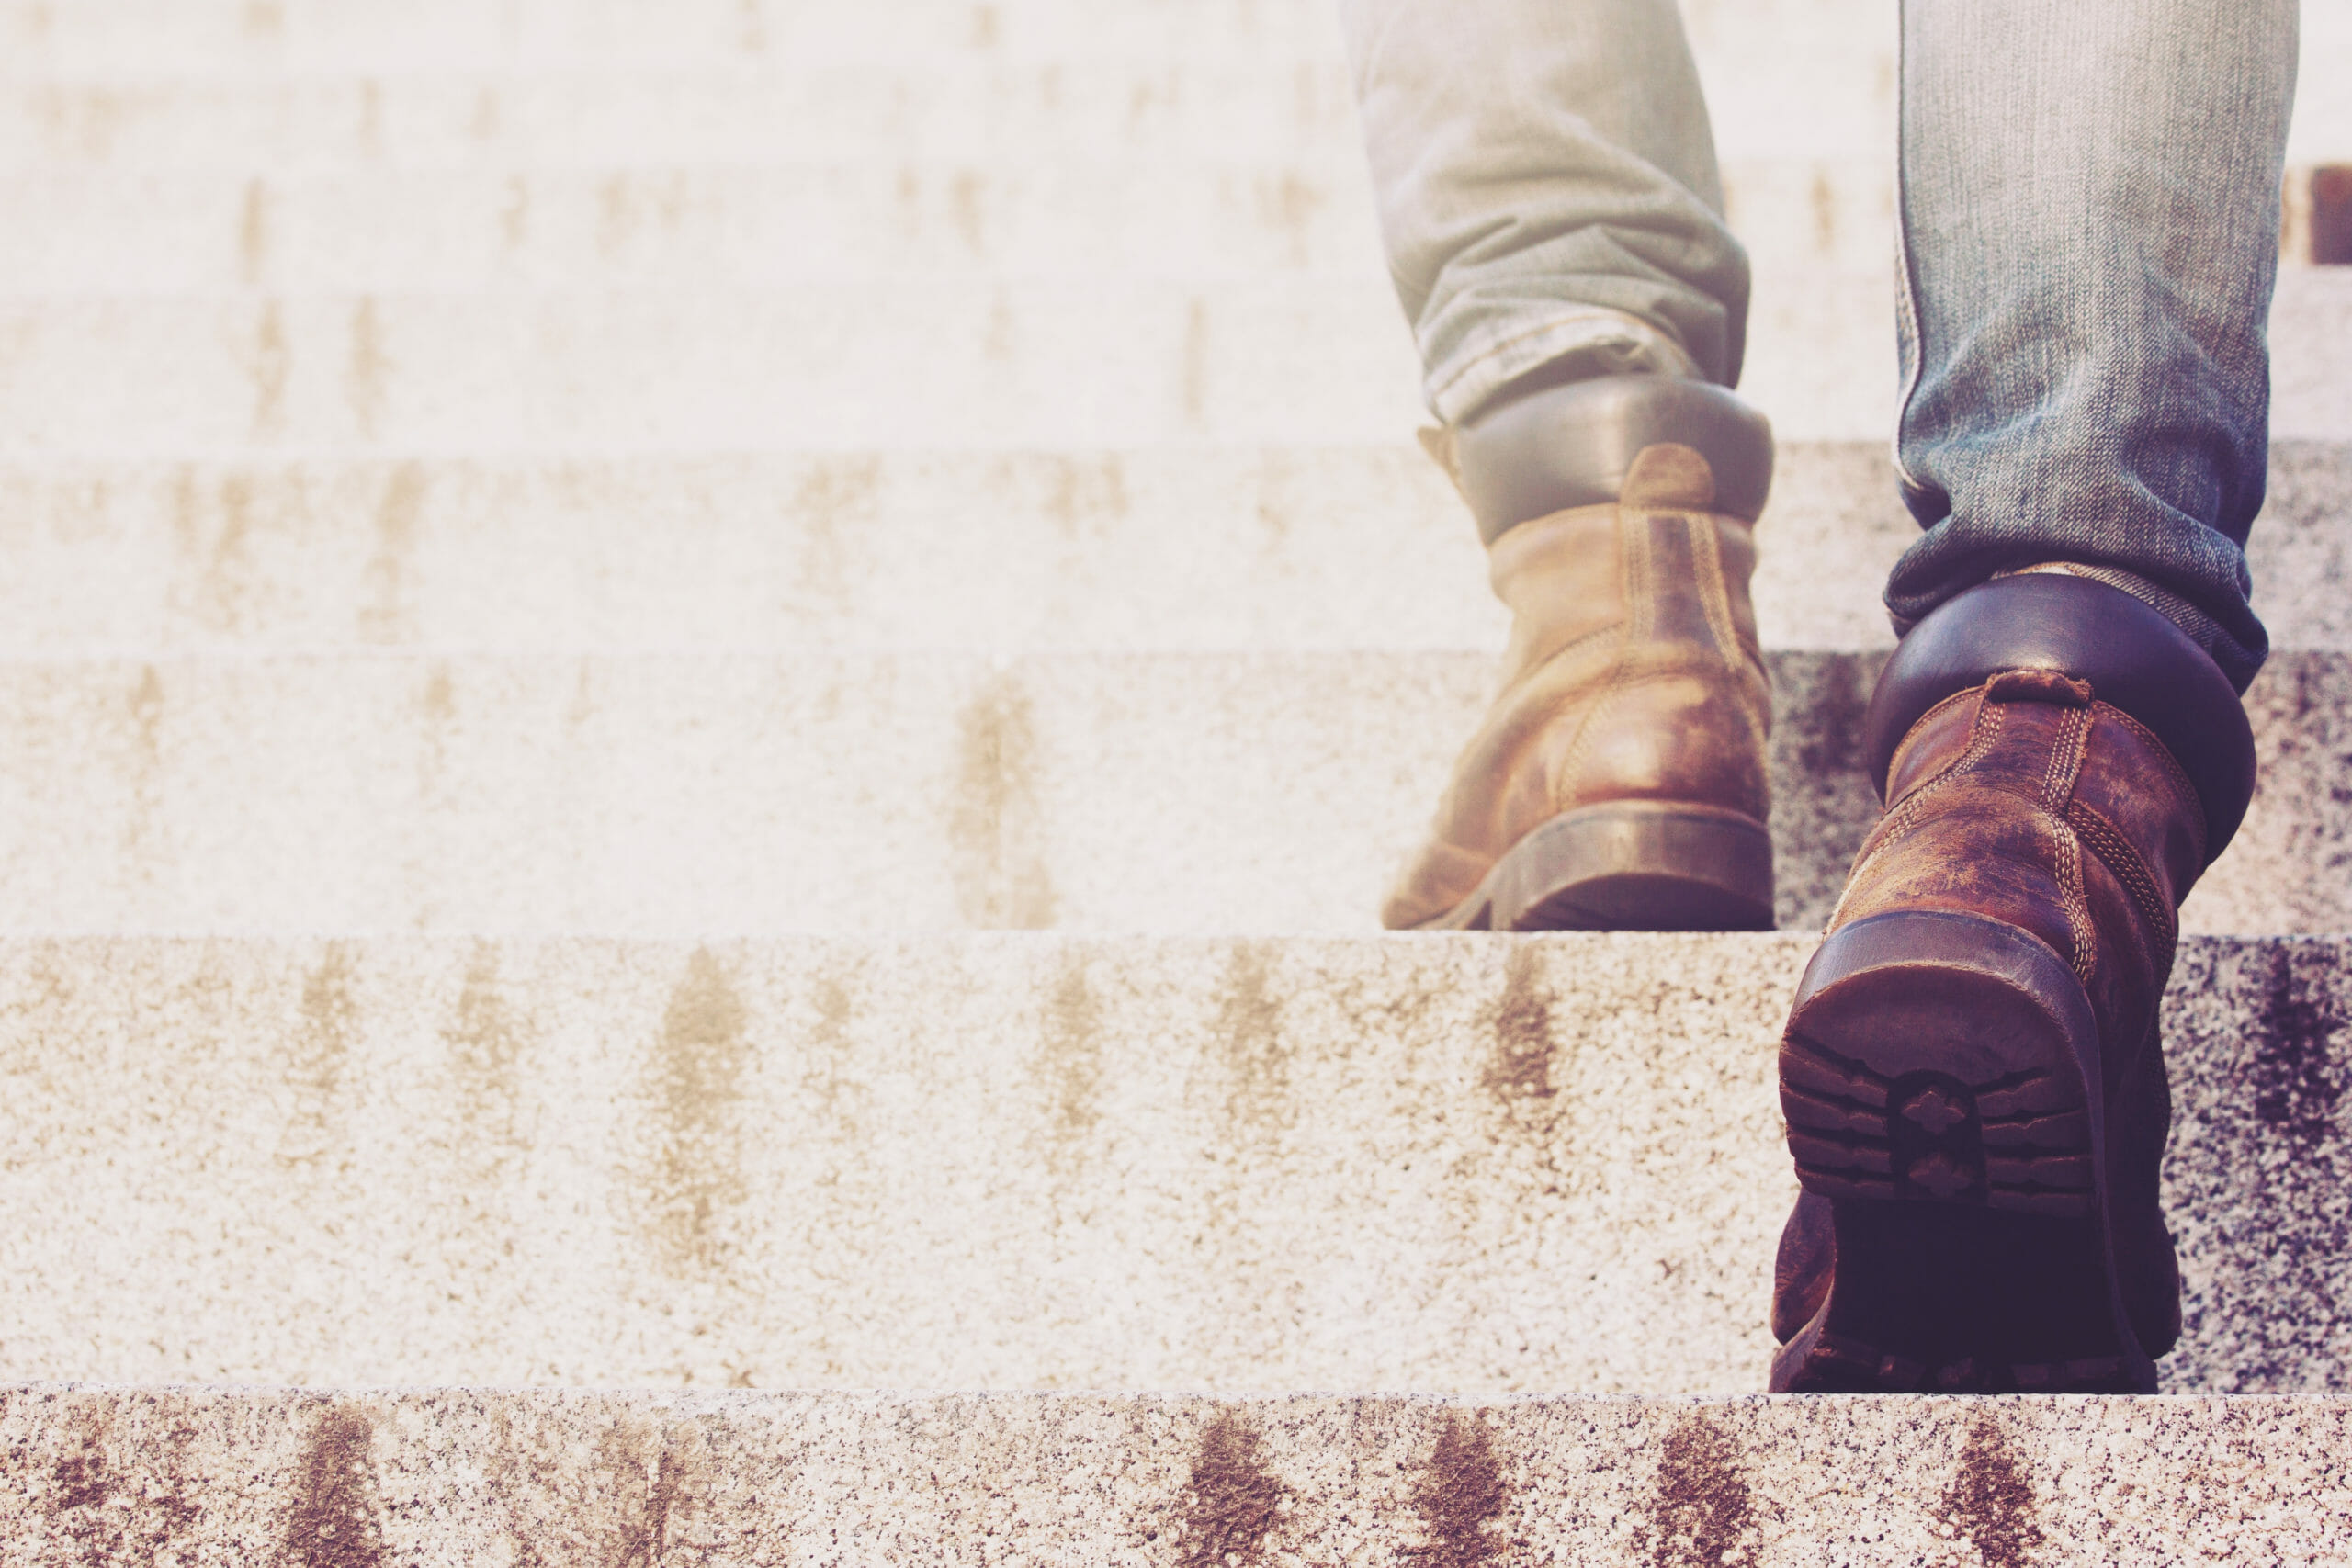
x: 1936, y: 1077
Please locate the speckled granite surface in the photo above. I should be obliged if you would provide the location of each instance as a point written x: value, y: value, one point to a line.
x: 1236, y: 793
x: 1435, y: 1162
x: 369, y: 1480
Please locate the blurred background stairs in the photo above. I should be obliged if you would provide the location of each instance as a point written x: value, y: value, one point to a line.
x: 702, y: 705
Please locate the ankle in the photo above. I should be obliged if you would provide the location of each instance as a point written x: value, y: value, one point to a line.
x: 1577, y: 444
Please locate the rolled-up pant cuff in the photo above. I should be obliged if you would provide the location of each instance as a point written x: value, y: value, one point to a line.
x: 1573, y: 343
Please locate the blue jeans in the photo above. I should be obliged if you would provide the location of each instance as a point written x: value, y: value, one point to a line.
x: 2089, y: 239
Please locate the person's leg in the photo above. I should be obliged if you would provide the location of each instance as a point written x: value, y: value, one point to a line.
x: 1972, y: 1071
x: 2090, y: 234
x: 1547, y: 193
x: 1546, y: 185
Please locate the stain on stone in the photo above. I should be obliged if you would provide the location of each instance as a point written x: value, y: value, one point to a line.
x: 147, y: 717
x: 81, y: 1489
x: 486, y: 1043
x: 483, y: 126
x: 997, y: 344
x: 270, y: 366
x: 97, y: 1511
x: 324, y: 1033
x: 384, y: 617
x: 2297, y: 1078
x: 514, y: 214
x: 1824, y: 804
x: 968, y: 211
x: 985, y: 26
x: 835, y: 501
x: 437, y: 709
x: 253, y: 232
x: 1521, y: 1067
x: 79, y: 1481
x: 1460, y: 1496
x: 1072, y: 1043
x: 661, y: 1498
x: 371, y: 118
x: 751, y: 27
x: 1990, y: 1502
x: 996, y: 825
x: 613, y: 218
x: 1232, y: 1501
x: 333, y: 1522
x: 642, y: 1500
x: 1083, y: 489
x: 144, y: 771
x: 1289, y: 205
x: 697, y: 1071
x: 1700, y: 1512
x: 1829, y: 727
x: 369, y: 371
x: 1825, y: 214
x: 1249, y: 1039
x: 226, y: 565
x: 1196, y: 361
x: 623, y: 1497
x: 264, y: 18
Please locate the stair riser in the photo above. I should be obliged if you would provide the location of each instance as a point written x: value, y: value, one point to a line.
x: 90, y: 232
x: 85, y: 231
x: 1456, y: 1163
x: 943, y: 362
x: 820, y: 791
x: 1349, y: 546
x: 488, y: 1477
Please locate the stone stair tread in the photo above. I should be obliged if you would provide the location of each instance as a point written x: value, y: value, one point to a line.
x: 1772, y: 92
x: 748, y: 220
x: 1017, y: 1160
x: 532, y: 1476
x: 946, y: 363
x: 856, y: 790
x: 747, y: 224
x: 1235, y: 547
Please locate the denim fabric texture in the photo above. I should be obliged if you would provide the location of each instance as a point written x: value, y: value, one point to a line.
x: 1546, y: 186
x: 2091, y: 236
x: 2087, y: 245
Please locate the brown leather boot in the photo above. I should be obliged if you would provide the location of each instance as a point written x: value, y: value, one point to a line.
x: 1972, y: 1074
x: 1618, y: 781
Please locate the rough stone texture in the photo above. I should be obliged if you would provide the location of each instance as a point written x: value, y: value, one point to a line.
x: 1345, y: 546
x: 822, y: 790
x: 1415, y: 1162
x: 1781, y: 74
x: 965, y: 363
x: 1166, y: 214
x: 203, y: 1476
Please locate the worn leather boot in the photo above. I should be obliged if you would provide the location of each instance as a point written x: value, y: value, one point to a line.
x: 1972, y: 1074
x: 1618, y: 781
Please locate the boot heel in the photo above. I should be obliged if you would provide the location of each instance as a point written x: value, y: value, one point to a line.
x: 1943, y: 1058
x: 1629, y: 865
x: 1940, y: 1078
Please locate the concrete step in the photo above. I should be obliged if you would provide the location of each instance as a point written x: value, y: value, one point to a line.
x: 1815, y: 75
x: 646, y: 116
x: 484, y: 1477
x: 242, y: 38
x: 737, y: 224
x: 1159, y: 549
x: 946, y: 363
x: 814, y: 790
x: 1448, y: 1162
x: 1797, y: 96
